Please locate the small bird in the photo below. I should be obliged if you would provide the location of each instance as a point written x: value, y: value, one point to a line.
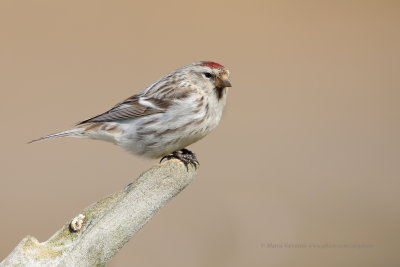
x: 159, y: 122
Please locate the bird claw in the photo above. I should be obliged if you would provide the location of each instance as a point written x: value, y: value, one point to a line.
x: 185, y: 156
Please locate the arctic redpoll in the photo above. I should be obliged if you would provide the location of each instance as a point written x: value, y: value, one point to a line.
x: 177, y: 110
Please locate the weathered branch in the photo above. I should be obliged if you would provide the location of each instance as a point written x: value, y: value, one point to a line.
x: 94, y: 238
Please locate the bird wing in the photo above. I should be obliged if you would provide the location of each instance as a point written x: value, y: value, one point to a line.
x: 154, y: 99
x: 143, y: 104
x: 132, y: 107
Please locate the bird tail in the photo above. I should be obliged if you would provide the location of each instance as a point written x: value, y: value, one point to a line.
x: 71, y: 133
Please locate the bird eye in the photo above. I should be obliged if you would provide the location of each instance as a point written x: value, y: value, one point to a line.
x: 207, y: 74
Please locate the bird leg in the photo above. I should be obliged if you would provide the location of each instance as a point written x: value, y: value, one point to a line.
x: 184, y: 155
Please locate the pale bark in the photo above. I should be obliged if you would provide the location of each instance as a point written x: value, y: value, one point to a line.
x: 107, y: 224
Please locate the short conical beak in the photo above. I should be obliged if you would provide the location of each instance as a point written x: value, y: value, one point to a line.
x: 227, y: 83
x: 223, y: 82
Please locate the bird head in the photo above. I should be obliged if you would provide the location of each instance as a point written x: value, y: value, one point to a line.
x: 209, y: 75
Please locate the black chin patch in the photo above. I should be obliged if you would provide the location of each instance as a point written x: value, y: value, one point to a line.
x: 219, y: 91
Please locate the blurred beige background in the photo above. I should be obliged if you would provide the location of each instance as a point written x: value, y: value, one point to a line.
x: 307, y: 153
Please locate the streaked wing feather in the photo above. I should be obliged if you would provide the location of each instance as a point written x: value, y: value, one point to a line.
x: 128, y: 109
x: 159, y: 96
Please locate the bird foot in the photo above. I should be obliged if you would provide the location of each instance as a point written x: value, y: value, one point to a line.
x: 184, y: 155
